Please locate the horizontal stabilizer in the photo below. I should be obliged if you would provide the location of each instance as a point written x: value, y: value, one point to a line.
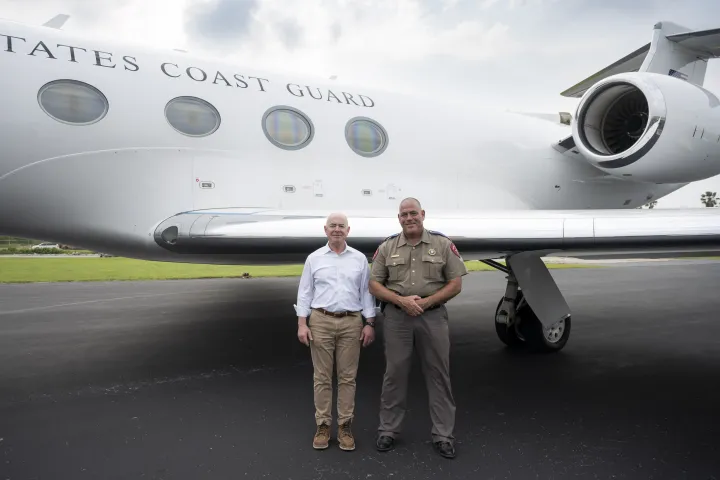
x: 674, y: 50
x: 706, y: 42
x: 57, y: 21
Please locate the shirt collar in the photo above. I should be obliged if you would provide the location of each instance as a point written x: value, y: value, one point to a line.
x: 425, y: 238
x: 329, y: 250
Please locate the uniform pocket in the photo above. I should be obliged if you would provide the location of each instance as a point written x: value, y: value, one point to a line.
x: 432, y: 267
x: 396, y: 268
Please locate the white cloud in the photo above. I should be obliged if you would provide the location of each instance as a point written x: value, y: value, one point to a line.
x: 372, y: 34
x: 158, y: 22
x: 449, y: 4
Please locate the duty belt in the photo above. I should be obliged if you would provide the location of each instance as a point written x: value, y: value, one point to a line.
x: 385, y: 304
x: 424, y: 309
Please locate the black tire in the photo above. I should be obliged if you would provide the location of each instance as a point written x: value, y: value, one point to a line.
x: 532, y: 331
x: 507, y: 333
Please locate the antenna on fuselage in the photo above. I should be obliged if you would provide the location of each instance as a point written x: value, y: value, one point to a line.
x: 57, y: 21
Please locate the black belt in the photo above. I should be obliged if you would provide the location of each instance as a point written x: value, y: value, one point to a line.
x: 424, y: 309
x: 384, y: 304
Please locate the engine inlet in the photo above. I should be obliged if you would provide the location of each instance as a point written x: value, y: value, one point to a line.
x: 614, y: 119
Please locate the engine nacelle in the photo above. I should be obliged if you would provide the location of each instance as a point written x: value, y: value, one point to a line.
x: 649, y: 127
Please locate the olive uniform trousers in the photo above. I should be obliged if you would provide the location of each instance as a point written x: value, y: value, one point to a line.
x: 430, y: 333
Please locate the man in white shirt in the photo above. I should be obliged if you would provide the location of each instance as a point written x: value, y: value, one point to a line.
x: 334, y: 293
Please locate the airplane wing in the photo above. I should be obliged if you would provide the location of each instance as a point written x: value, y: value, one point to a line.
x: 274, y: 236
x: 532, y: 312
x: 629, y: 63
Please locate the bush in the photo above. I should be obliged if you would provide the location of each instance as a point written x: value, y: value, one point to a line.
x: 30, y: 251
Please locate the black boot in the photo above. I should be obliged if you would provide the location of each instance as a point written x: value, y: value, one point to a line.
x: 385, y: 443
x: 446, y: 449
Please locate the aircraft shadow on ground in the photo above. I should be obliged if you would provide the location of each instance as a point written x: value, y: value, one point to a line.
x: 607, y: 396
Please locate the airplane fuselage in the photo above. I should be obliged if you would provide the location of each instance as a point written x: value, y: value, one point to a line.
x: 108, y: 184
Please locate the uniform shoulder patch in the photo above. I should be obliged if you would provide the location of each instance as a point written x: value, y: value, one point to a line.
x: 435, y: 232
x: 454, y: 249
x: 383, y: 243
x: 390, y: 238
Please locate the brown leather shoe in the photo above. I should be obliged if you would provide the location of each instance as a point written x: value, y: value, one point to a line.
x: 345, y: 437
x: 322, y: 437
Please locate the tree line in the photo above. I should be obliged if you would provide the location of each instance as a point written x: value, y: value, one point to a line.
x: 709, y: 199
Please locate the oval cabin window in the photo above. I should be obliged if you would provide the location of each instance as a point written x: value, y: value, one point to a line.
x: 192, y: 116
x: 287, y: 128
x: 366, y: 137
x: 73, y: 102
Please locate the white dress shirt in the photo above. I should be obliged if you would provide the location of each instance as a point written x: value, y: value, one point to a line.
x: 336, y: 283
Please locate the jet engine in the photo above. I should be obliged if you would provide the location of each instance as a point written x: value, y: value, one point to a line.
x: 649, y: 127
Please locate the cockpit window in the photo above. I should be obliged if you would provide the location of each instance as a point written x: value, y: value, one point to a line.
x: 287, y: 127
x: 192, y: 116
x: 73, y: 102
x: 366, y: 137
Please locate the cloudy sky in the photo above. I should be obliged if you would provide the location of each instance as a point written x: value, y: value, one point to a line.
x: 515, y: 53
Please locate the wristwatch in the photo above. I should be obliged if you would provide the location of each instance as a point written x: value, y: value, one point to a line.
x: 370, y: 324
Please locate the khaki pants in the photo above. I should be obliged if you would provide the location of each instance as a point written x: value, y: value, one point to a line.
x: 339, y: 337
x: 429, y: 332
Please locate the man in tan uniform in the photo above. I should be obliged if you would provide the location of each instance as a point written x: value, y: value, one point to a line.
x: 416, y: 272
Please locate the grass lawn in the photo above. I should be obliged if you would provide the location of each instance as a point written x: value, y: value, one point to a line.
x: 25, y: 270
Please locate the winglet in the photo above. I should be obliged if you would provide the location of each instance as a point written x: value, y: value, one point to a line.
x: 57, y: 21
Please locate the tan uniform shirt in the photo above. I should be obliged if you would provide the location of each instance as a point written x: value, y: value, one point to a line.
x: 420, y: 270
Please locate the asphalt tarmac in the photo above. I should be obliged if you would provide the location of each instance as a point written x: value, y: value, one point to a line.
x: 206, y: 379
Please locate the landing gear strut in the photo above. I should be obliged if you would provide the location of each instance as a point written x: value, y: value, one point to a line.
x: 518, y: 326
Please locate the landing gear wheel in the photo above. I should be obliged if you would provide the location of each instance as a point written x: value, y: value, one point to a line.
x: 507, y: 333
x: 537, y: 338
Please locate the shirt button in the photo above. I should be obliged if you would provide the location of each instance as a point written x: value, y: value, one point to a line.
x: 413, y: 283
x: 413, y: 271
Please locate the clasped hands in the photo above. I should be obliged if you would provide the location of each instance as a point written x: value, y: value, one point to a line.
x: 414, y: 305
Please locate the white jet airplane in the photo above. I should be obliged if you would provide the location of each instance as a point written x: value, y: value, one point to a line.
x: 159, y: 155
